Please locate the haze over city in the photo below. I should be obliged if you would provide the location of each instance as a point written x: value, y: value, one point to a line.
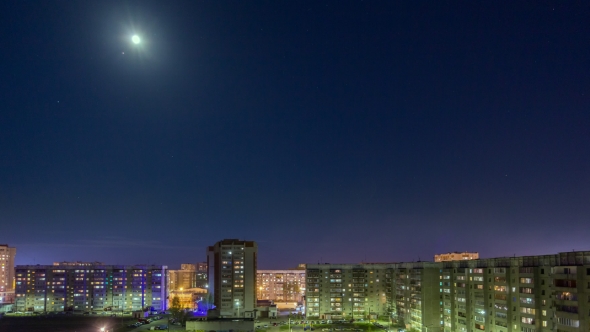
x: 326, y: 131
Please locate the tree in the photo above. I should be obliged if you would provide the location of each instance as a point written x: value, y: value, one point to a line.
x: 176, y: 309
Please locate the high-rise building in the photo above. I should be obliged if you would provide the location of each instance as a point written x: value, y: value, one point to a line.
x: 414, y: 295
x: 456, y: 256
x: 517, y: 294
x: 189, y: 276
x: 189, y: 284
x: 7, y: 273
x: 507, y: 294
x: 281, y: 286
x: 115, y: 288
x: 201, y: 269
x: 232, y: 277
x: 347, y: 291
x: 184, y: 278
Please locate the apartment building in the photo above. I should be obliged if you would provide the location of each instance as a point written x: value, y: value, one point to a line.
x: 415, y: 294
x: 232, y: 277
x: 281, y: 286
x: 526, y: 294
x: 189, y: 284
x: 51, y: 288
x: 456, y: 256
x: 202, y: 274
x: 187, y: 277
x: 7, y: 255
x: 507, y: 294
x: 344, y: 291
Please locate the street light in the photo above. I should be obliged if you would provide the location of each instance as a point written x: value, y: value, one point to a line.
x: 238, y: 305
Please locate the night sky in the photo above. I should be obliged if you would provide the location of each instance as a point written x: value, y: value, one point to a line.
x: 338, y: 131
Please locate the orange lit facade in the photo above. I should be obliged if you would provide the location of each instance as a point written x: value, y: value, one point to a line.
x: 456, y: 256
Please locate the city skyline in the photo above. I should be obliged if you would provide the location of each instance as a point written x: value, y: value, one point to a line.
x: 330, y: 131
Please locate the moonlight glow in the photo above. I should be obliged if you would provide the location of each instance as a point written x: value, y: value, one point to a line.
x: 135, y: 39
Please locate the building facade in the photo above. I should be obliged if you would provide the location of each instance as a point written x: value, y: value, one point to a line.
x: 456, y: 256
x: 7, y: 255
x: 202, y: 275
x: 188, y: 284
x: 345, y: 291
x: 78, y: 263
x: 232, y: 277
x: 513, y: 294
x: 184, y: 278
x: 517, y: 294
x: 281, y: 286
x: 116, y: 288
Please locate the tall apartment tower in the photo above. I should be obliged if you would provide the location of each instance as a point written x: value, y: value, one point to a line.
x: 232, y: 277
x: 7, y: 273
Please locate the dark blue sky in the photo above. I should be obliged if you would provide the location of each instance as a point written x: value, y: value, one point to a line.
x: 333, y: 131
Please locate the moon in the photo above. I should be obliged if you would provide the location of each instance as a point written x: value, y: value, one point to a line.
x: 135, y: 39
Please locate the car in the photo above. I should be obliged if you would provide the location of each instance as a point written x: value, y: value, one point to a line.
x: 257, y: 321
x: 161, y: 327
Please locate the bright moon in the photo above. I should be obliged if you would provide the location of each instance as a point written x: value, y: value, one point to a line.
x: 135, y: 39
